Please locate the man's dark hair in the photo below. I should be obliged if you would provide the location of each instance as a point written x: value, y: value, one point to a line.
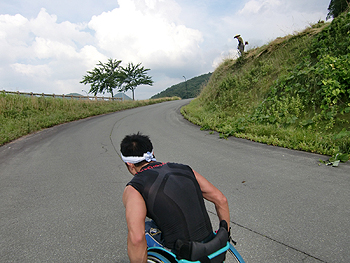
x: 136, y: 145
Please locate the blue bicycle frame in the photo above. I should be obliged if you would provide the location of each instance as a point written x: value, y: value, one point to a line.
x: 169, y: 257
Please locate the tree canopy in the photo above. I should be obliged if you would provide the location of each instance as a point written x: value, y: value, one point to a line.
x: 105, y: 77
x: 135, y: 75
x: 336, y: 7
x: 111, y: 75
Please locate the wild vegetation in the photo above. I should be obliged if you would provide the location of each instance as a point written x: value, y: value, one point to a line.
x: 21, y: 115
x: 293, y: 92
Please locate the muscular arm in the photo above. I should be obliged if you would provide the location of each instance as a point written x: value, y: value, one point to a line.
x: 214, y: 195
x: 135, y: 212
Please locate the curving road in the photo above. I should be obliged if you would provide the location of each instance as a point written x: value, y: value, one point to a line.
x: 60, y: 191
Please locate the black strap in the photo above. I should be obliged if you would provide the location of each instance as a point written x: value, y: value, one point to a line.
x: 191, y: 250
x: 204, y: 259
x: 183, y: 249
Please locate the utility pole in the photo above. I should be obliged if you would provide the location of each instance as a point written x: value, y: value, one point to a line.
x: 185, y: 97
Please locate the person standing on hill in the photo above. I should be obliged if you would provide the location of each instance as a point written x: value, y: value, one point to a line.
x: 240, y: 44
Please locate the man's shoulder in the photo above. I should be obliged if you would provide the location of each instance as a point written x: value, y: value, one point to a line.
x: 179, y: 166
x: 174, y: 164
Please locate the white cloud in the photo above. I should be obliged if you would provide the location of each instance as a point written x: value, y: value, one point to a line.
x: 37, y: 71
x: 11, y: 24
x: 146, y: 34
x: 256, y: 6
x: 261, y: 21
x: 45, y: 53
x: 90, y: 56
x: 39, y: 38
x: 13, y: 37
x: 46, y: 26
x: 47, y: 48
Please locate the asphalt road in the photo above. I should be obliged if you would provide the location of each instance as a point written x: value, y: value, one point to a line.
x: 61, y: 189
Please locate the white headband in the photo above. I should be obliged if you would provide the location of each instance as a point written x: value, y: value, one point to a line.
x: 148, y: 156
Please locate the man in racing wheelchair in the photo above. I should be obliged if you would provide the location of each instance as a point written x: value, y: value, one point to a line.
x: 172, y: 195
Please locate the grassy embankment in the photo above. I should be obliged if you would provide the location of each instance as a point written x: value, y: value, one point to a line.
x: 293, y: 92
x: 20, y: 115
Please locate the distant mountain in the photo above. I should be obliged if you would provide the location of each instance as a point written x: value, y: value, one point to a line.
x: 187, y: 89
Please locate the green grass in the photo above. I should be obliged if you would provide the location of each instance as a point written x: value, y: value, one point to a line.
x: 293, y: 92
x: 20, y: 115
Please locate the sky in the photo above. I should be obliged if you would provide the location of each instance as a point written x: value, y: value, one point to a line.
x: 47, y: 46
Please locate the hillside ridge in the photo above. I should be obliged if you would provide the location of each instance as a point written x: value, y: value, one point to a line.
x: 187, y: 89
x: 293, y: 92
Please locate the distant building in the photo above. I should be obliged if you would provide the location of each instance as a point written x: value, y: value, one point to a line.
x: 122, y: 95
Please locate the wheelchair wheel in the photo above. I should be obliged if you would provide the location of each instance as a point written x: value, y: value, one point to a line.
x: 152, y: 259
x: 233, y: 256
x: 157, y: 258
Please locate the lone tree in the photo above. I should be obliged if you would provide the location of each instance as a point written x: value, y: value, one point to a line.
x: 336, y: 7
x: 135, y: 75
x: 105, y: 77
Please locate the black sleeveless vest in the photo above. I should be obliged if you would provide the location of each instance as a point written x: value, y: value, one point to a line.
x: 174, y: 201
